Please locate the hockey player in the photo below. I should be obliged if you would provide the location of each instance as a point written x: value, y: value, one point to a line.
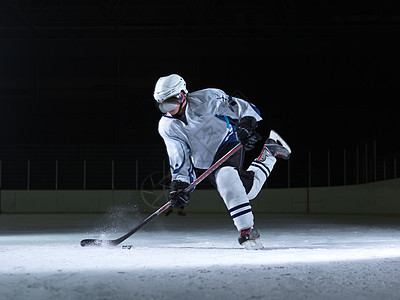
x: 198, y: 128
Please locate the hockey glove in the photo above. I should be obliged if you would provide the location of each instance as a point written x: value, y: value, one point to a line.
x: 246, y: 133
x: 177, y: 195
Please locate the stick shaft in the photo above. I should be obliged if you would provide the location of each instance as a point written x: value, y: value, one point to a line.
x: 163, y: 208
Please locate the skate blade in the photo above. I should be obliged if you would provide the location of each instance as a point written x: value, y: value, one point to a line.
x: 253, y: 244
x: 275, y: 136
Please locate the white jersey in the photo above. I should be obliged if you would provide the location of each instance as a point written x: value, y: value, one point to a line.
x: 208, y: 123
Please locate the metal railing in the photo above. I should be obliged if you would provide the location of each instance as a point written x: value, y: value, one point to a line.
x: 306, y: 168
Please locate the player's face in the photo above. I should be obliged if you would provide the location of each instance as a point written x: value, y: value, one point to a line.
x: 173, y: 105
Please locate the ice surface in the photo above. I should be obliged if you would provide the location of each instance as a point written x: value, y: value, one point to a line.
x: 198, y: 257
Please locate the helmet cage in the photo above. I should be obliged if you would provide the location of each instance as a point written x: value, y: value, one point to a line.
x: 171, y: 103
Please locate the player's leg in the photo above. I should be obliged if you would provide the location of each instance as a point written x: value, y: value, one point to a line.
x: 232, y: 191
x: 274, y: 147
x: 261, y: 169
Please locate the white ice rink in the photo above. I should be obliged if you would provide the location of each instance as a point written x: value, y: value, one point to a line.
x: 198, y: 257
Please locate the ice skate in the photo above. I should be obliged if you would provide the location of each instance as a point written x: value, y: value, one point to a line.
x: 275, y: 146
x: 250, y: 239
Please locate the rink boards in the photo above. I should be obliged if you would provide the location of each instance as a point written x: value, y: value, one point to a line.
x: 378, y: 198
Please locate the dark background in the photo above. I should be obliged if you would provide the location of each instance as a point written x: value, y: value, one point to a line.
x: 77, y: 77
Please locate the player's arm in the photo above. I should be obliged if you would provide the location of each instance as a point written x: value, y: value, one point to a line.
x: 182, y: 171
x: 247, y: 115
x: 237, y: 108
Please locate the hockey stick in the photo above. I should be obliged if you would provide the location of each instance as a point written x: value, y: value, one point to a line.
x: 98, y: 242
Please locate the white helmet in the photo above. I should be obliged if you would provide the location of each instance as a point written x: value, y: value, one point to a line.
x: 169, y: 86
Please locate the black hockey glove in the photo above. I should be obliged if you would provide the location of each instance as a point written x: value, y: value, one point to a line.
x: 246, y: 133
x: 177, y: 195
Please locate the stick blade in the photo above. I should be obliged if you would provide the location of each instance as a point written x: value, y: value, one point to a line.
x: 98, y: 243
x: 91, y: 242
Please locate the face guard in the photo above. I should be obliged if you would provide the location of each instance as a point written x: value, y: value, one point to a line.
x: 172, y: 103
